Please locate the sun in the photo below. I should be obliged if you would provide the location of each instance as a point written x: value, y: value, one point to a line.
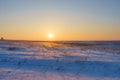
x: 50, y: 35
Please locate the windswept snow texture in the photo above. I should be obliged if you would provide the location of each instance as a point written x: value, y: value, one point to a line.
x: 25, y: 60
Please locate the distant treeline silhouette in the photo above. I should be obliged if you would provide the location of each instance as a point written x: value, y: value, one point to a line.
x: 2, y: 38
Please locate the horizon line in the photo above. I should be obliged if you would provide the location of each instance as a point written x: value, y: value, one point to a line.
x: 53, y: 40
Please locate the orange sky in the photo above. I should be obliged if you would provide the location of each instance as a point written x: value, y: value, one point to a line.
x: 73, y: 20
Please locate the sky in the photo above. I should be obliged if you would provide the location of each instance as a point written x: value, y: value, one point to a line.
x: 64, y: 19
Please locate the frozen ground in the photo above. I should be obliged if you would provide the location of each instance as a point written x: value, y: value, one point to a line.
x: 21, y: 60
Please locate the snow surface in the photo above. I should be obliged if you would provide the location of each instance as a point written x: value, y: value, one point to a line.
x: 25, y: 60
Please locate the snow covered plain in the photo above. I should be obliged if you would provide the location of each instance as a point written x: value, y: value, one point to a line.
x: 25, y: 60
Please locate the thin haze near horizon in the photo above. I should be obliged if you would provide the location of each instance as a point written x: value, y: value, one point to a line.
x: 65, y: 19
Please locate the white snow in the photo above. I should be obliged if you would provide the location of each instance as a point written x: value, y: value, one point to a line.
x: 24, y: 60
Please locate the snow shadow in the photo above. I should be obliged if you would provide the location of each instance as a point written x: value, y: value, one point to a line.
x: 61, y: 65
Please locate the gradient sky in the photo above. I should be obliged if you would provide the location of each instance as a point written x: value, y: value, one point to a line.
x: 66, y: 19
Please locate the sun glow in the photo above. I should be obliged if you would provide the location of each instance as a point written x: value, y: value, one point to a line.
x: 50, y: 35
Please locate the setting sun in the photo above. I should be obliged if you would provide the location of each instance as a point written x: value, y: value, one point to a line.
x: 50, y: 35
x: 60, y: 39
